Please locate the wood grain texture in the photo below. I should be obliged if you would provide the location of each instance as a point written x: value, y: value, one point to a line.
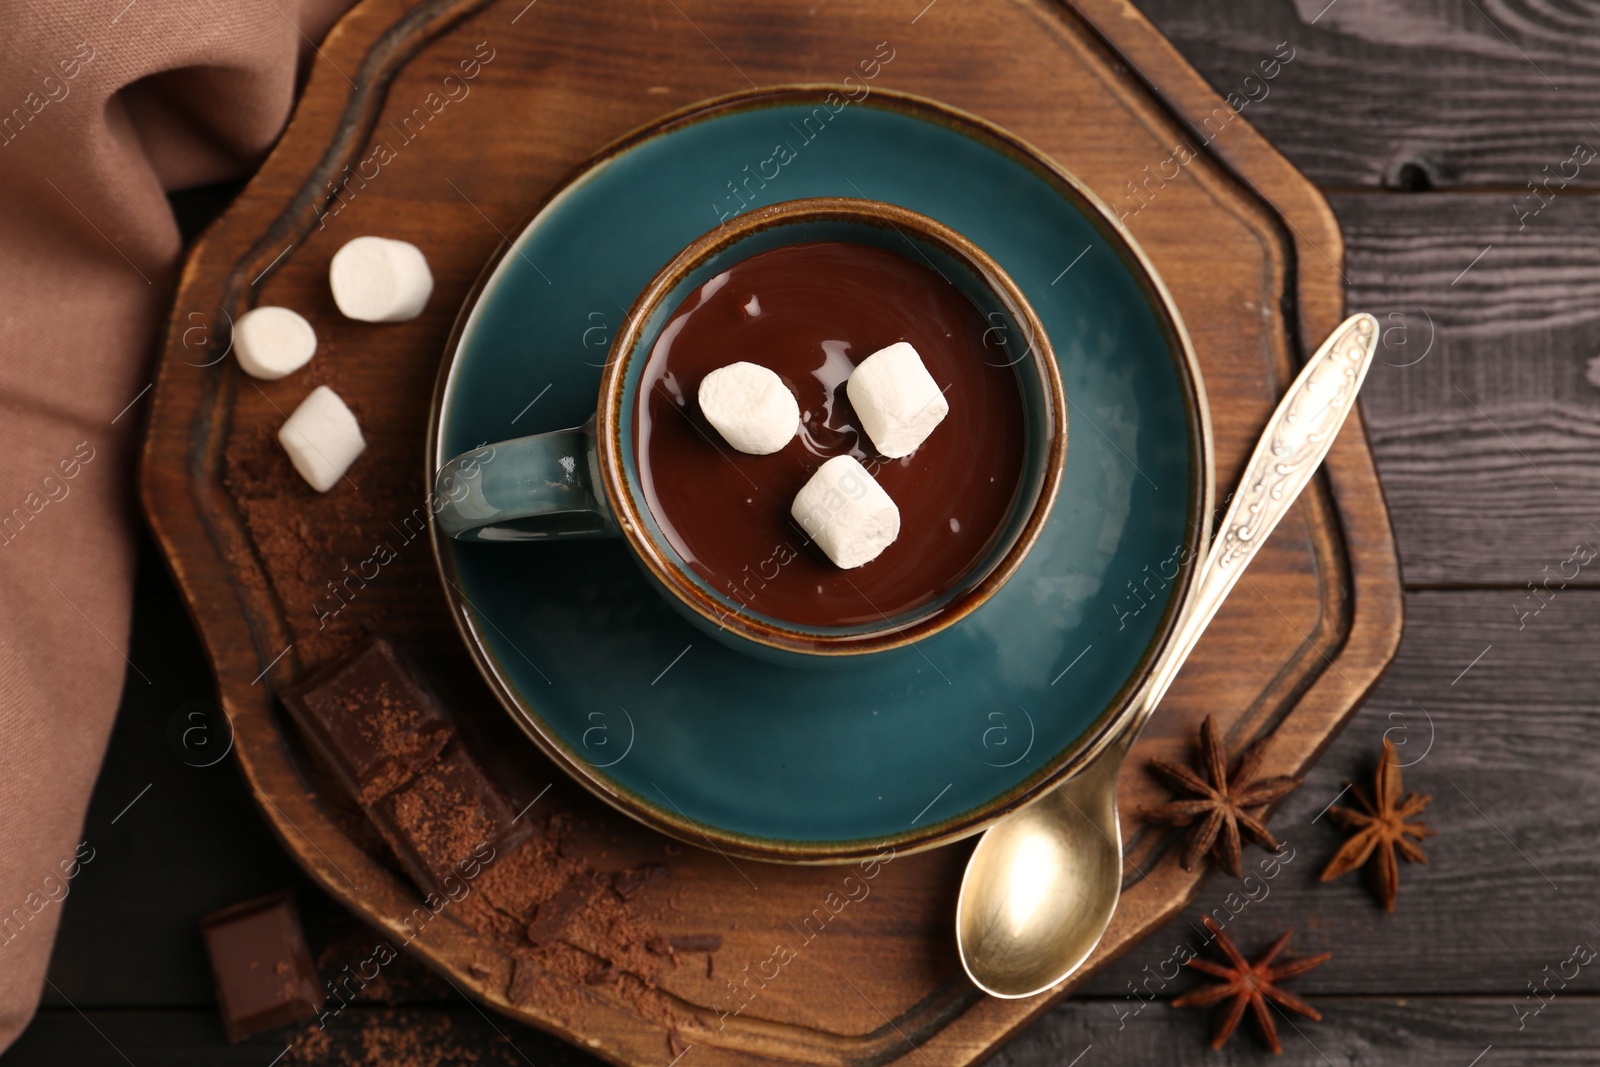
x: 1416, y: 1032
x: 1504, y: 749
x: 438, y: 1035
x: 1477, y: 920
x: 1295, y: 658
x: 1393, y: 93
x: 1524, y: 704
x: 1479, y: 407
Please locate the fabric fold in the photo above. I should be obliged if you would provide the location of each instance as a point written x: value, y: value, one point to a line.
x: 105, y: 107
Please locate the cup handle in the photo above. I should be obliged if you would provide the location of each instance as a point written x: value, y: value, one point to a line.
x: 528, y: 489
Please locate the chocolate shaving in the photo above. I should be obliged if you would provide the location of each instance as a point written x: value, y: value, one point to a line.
x: 627, y: 883
x: 686, y: 943
x: 554, y: 918
x: 524, y: 981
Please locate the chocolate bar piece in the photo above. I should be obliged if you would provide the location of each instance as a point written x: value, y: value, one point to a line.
x: 265, y: 978
x: 448, y: 823
x: 371, y: 719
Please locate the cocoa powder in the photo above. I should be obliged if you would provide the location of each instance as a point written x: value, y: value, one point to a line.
x: 299, y: 545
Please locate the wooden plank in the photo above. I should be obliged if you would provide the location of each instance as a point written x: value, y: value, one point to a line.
x: 1506, y: 749
x: 358, y: 1037
x: 1391, y: 93
x: 1414, y: 1031
x: 1447, y: 1032
x: 1479, y: 408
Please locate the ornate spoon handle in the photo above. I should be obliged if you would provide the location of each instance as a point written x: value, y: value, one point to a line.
x: 1293, y: 445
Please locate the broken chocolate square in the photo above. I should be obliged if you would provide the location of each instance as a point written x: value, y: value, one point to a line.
x: 448, y: 823
x: 265, y: 978
x: 371, y: 719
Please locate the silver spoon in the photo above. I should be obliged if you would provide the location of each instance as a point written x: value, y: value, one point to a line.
x: 1041, y: 886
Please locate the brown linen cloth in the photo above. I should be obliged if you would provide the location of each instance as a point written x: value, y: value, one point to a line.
x: 104, y: 106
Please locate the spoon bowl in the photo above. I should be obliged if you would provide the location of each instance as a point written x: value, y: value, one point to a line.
x: 1045, y: 898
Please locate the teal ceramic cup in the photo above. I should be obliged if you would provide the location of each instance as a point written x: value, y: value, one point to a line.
x: 584, y: 481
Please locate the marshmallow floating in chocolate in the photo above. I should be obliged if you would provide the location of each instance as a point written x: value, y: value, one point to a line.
x: 896, y: 399
x: 375, y: 279
x: 271, y: 342
x: 750, y: 407
x: 322, y: 438
x: 846, y: 512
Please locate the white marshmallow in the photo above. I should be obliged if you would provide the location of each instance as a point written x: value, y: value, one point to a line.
x: 750, y: 407
x: 896, y: 399
x: 322, y: 438
x: 375, y: 279
x: 846, y: 512
x: 271, y: 342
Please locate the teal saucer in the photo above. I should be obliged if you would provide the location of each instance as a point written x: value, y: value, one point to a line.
x: 922, y: 745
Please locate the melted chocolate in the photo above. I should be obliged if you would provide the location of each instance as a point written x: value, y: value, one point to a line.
x: 811, y: 312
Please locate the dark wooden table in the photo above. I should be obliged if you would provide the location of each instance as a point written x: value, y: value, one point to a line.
x: 1429, y: 123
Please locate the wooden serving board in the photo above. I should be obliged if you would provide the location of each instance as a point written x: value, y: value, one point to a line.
x: 1248, y: 247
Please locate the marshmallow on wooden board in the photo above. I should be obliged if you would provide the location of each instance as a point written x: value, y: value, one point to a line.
x: 750, y: 407
x: 896, y: 399
x: 271, y: 342
x: 846, y: 512
x: 376, y: 279
x: 322, y: 438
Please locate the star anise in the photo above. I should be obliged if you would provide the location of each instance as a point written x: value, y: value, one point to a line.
x: 1250, y: 985
x: 1381, y: 830
x: 1221, y: 799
